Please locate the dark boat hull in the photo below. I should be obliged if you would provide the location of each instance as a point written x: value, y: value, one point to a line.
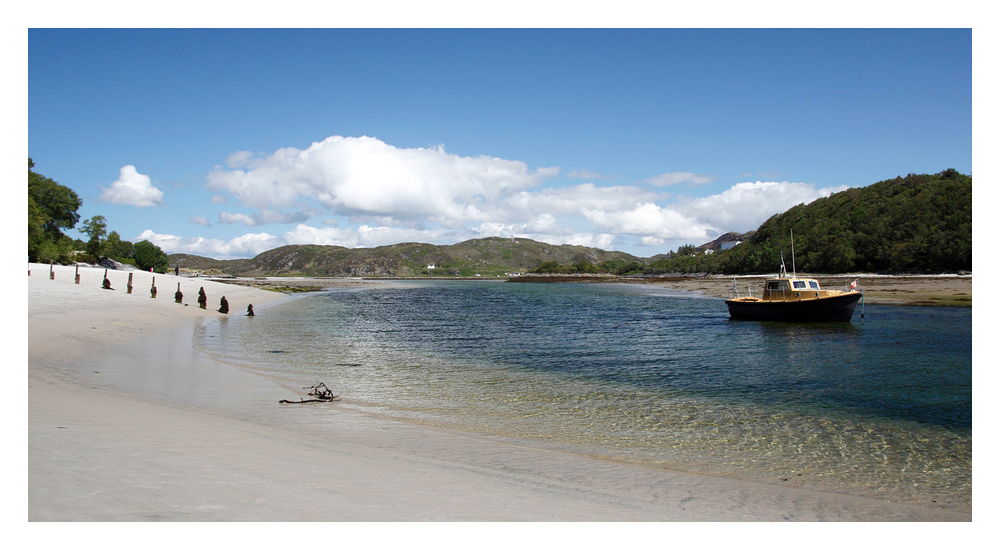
x: 833, y: 308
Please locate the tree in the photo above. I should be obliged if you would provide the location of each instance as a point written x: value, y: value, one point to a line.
x: 58, y: 202
x: 119, y: 250
x: 51, y: 209
x: 95, y: 228
x: 149, y: 256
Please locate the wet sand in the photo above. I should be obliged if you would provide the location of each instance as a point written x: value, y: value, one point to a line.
x: 126, y: 422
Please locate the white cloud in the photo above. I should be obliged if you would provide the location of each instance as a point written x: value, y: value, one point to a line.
x: 331, y: 236
x: 673, y: 178
x: 389, y: 195
x: 199, y: 220
x: 367, y: 177
x: 651, y: 220
x: 745, y: 206
x: 245, y: 246
x: 132, y: 188
x: 263, y: 217
x: 579, y: 198
x: 238, y: 159
x: 589, y: 175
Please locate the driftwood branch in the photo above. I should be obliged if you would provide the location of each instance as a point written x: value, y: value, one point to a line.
x: 321, y: 393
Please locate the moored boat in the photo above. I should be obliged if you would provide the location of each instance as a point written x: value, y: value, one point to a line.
x: 795, y: 299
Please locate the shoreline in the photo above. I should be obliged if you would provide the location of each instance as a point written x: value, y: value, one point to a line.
x: 907, y: 290
x: 128, y: 423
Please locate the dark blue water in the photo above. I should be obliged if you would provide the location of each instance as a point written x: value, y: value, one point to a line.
x: 632, y: 372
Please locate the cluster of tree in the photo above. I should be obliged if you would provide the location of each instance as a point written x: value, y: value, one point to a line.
x: 920, y: 223
x: 52, y: 208
x: 609, y: 267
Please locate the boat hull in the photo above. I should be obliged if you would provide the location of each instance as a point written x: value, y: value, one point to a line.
x: 832, y: 308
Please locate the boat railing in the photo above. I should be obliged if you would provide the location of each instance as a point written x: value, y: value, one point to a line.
x: 736, y: 290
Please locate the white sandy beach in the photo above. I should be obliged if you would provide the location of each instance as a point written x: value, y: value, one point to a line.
x: 126, y: 422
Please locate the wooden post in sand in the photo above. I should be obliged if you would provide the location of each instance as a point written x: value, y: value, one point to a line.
x: 52, y: 273
x: 77, y: 278
x: 128, y: 287
x: 152, y: 289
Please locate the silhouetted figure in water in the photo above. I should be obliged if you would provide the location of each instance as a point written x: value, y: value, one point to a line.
x: 250, y: 310
x: 202, y: 299
x: 224, y: 305
x: 178, y: 296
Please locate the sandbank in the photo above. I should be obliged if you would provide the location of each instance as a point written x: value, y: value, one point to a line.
x: 127, y: 422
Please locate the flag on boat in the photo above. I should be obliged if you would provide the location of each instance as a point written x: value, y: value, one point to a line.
x: 854, y: 284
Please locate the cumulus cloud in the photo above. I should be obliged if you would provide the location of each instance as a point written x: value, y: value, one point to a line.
x: 745, y: 206
x: 576, y: 199
x: 389, y: 194
x: 651, y: 220
x: 199, y: 220
x: 610, y: 212
x: 365, y: 176
x: 673, y: 178
x: 245, y: 246
x: 132, y: 188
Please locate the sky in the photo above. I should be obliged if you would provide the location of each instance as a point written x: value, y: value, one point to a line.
x: 229, y: 142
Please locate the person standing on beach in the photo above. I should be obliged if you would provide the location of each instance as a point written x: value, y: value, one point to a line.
x: 224, y: 305
x: 202, y: 299
x: 250, y: 310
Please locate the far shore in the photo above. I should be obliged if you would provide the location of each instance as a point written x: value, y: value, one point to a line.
x: 128, y: 422
x: 910, y: 290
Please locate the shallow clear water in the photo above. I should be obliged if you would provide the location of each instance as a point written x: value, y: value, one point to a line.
x: 638, y: 373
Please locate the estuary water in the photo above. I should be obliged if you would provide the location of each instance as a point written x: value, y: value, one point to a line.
x: 879, y: 408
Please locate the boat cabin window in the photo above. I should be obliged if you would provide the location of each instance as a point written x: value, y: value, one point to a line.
x: 777, y: 285
x: 814, y: 285
x: 798, y: 284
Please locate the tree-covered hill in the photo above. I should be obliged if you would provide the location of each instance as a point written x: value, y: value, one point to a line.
x: 917, y: 224
x: 489, y: 257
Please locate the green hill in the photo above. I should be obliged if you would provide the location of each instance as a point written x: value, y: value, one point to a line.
x: 487, y: 257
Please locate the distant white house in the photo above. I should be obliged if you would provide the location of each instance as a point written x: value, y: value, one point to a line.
x: 708, y: 251
x: 430, y: 266
x: 729, y: 244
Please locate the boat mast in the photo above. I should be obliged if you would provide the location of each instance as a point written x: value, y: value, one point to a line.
x: 792, y: 233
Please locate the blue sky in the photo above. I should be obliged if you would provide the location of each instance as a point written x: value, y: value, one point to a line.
x: 226, y: 143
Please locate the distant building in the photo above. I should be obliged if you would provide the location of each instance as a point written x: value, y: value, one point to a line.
x: 708, y: 251
x: 729, y: 244
x: 430, y: 266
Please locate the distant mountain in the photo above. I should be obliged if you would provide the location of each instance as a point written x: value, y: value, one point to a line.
x: 488, y: 257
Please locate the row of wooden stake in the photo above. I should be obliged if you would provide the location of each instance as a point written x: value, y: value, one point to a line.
x: 178, y: 296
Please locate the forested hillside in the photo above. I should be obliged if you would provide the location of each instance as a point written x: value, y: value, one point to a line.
x: 917, y: 224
